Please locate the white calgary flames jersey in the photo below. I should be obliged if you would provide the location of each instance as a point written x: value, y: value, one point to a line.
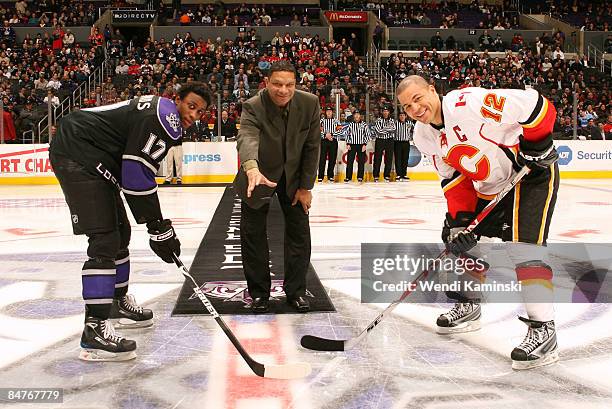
x: 481, y: 130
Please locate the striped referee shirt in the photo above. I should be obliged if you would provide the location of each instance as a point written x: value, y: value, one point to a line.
x: 385, y: 128
x: 404, y: 131
x: 329, y: 125
x: 358, y: 133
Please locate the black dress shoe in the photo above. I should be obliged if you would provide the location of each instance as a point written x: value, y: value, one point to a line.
x: 299, y: 303
x: 260, y: 305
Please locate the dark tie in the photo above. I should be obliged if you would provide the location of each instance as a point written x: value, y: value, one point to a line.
x: 285, y: 116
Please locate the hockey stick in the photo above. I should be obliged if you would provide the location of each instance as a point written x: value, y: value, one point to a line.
x: 325, y: 344
x: 286, y: 371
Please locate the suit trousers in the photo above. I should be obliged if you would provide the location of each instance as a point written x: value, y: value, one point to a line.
x: 380, y: 146
x: 402, y: 153
x: 255, y: 250
x: 329, y: 152
x: 175, y: 155
x: 355, y: 150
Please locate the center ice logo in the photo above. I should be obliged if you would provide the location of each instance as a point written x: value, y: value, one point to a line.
x: 565, y: 155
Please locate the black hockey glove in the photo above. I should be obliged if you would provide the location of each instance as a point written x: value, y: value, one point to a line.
x: 537, y: 155
x: 163, y: 239
x: 458, y: 242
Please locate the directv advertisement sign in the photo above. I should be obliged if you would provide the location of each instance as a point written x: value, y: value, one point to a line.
x: 133, y: 17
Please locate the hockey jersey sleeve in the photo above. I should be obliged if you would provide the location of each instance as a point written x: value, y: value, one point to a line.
x: 155, y: 131
x: 529, y: 108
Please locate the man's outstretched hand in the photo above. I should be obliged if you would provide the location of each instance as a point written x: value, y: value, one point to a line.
x: 256, y: 178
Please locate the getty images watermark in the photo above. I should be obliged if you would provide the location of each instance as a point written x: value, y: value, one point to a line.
x: 411, y: 266
x: 502, y: 272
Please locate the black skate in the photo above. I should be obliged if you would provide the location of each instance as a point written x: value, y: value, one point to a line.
x: 539, y: 347
x: 463, y: 317
x: 126, y: 313
x: 100, y: 342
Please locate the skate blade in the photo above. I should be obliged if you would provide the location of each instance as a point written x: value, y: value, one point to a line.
x: 459, y: 329
x: 546, y: 360
x: 125, y: 323
x: 98, y: 355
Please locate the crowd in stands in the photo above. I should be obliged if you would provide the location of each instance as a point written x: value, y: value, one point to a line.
x: 47, y: 66
x: 548, y: 44
x: 554, y: 76
x: 50, y: 13
x: 235, y: 69
x: 443, y: 14
x: 589, y: 15
x: 221, y: 14
x: 51, y: 66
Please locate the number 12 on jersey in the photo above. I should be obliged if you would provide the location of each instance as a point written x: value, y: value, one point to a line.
x: 495, y: 102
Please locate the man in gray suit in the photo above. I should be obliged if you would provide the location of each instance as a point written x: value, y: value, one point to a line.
x: 278, y: 145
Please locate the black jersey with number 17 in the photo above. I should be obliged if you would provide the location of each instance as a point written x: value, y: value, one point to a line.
x: 124, y: 143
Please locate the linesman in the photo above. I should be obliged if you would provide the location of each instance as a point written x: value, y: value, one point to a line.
x: 384, y: 127
x: 357, y: 137
x: 329, y: 145
x: 403, y: 139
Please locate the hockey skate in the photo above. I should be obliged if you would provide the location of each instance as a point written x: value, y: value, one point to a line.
x: 539, y: 347
x: 463, y: 317
x: 126, y: 313
x: 100, y: 342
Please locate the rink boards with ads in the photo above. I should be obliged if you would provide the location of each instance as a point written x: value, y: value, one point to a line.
x: 217, y: 162
x: 203, y: 162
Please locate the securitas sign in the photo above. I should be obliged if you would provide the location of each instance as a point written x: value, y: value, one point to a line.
x: 134, y: 16
x: 347, y: 16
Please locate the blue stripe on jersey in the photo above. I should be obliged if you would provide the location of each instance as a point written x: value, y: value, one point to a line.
x: 136, y: 176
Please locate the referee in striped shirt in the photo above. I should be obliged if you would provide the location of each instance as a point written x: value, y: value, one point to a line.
x: 385, y: 135
x: 329, y: 145
x: 357, y: 137
x: 403, y: 137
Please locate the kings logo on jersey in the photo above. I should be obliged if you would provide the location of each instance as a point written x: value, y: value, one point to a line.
x: 174, y: 121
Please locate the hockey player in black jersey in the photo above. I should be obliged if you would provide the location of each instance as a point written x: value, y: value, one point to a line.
x: 96, y: 154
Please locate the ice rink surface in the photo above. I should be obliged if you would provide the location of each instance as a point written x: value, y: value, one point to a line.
x: 187, y: 362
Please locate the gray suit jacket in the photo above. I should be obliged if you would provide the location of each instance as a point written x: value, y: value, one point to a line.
x: 260, y: 138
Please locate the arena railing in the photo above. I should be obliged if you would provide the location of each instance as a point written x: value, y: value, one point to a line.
x: 603, y: 61
x: 44, y: 125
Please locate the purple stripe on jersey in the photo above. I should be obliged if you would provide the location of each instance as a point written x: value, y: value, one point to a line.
x: 102, y: 286
x: 123, y: 272
x: 169, y: 118
x: 136, y: 176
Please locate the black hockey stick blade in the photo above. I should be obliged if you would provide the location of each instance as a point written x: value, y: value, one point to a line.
x: 322, y: 344
x: 295, y: 370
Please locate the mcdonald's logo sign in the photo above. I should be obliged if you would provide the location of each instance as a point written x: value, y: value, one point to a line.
x: 347, y: 16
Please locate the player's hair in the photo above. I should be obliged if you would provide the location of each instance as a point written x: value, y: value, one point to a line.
x: 280, y: 66
x: 198, y: 88
x: 409, y: 80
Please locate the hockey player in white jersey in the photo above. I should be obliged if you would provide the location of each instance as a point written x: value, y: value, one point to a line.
x: 478, y: 139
